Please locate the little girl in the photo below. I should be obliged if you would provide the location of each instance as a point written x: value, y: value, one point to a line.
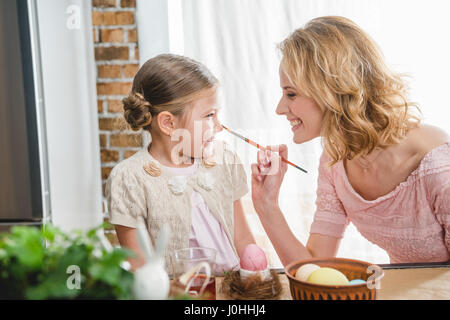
x: 195, y: 185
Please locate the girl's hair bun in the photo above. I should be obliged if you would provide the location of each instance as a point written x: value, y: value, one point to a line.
x: 137, y: 111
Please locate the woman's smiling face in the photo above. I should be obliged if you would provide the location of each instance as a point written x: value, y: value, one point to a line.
x: 303, y: 113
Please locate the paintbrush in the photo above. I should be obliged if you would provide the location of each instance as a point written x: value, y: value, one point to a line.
x: 260, y: 147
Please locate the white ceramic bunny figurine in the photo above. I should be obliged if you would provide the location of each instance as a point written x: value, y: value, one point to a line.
x: 151, y: 281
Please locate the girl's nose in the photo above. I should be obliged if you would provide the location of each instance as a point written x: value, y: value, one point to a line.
x: 217, y: 126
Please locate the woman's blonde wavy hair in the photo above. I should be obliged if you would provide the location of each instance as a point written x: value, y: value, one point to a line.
x: 335, y: 63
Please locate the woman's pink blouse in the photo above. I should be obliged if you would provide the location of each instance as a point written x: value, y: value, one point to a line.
x: 412, y: 222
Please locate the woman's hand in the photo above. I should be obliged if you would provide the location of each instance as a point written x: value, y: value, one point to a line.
x: 267, y: 176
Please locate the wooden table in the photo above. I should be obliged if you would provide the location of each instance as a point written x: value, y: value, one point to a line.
x: 400, y: 282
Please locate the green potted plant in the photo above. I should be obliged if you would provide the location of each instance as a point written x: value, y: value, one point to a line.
x: 48, y: 263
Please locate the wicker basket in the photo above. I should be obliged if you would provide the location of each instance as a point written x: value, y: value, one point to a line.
x: 353, y: 269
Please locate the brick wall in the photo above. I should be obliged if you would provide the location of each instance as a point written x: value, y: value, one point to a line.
x: 117, y: 61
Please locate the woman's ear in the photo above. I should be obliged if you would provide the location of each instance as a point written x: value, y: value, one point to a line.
x: 166, y: 122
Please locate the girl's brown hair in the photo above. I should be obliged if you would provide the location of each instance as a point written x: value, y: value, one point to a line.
x: 365, y: 105
x: 166, y: 82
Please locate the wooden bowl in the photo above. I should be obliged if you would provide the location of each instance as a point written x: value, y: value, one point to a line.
x: 352, y: 269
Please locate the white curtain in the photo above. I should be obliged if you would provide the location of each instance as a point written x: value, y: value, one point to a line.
x: 71, y: 121
x: 237, y: 40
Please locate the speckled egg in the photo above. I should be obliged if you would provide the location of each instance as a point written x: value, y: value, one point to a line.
x: 305, y: 270
x: 328, y: 276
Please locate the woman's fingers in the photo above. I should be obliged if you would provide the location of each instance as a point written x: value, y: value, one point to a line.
x: 275, y: 163
x: 263, y: 159
x: 282, y: 150
x: 263, y: 163
x: 256, y: 173
x: 269, y: 161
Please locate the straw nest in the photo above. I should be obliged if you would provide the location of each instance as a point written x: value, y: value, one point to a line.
x: 252, y: 288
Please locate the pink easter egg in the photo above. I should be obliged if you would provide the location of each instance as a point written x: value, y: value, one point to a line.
x: 253, y: 258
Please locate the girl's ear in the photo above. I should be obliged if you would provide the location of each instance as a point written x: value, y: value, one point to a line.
x: 166, y: 122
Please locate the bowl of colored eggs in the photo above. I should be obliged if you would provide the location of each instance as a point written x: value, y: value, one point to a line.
x: 333, y: 279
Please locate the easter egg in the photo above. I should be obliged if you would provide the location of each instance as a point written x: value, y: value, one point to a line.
x: 328, y: 276
x: 357, y: 281
x: 305, y: 270
x: 253, y: 258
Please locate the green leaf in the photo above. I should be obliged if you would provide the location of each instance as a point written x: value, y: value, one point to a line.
x: 26, y: 244
x: 54, y: 286
x: 107, y: 269
x: 34, y: 265
x: 52, y: 233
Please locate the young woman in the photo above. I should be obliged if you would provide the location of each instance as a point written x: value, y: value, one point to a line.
x: 381, y: 168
